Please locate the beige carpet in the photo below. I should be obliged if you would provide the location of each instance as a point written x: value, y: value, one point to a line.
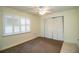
x: 69, y: 48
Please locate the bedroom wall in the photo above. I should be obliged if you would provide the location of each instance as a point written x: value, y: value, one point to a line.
x: 0, y: 25
x: 9, y: 41
x: 70, y: 24
x: 78, y: 22
x: 78, y: 25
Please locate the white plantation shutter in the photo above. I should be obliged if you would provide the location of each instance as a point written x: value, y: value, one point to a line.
x: 16, y: 24
x: 8, y: 25
x: 27, y: 25
x: 23, y: 24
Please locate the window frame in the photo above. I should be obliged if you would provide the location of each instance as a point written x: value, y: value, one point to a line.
x: 13, y: 33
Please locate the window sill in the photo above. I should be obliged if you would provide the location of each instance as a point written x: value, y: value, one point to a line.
x: 5, y: 35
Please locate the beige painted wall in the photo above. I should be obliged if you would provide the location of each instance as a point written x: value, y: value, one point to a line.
x: 0, y: 25
x: 78, y: 21
x: 70, y: 24
x: 8, y: 41
x: 78, y: 24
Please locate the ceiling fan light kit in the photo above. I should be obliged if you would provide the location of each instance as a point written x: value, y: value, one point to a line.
x: 42, y: 10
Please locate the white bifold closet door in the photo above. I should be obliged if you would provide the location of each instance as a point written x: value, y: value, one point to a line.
x: 54, y: 28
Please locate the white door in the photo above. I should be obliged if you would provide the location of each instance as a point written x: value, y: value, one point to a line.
x: 54, y: 28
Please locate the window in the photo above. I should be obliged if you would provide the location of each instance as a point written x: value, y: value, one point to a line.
x: 23, y: 23
x: 8, y: 25
x: 16, y: 24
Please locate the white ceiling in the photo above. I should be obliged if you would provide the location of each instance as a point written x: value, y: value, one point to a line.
x: 33, y: 9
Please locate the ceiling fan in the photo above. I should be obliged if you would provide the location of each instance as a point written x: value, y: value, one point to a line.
x: 42, y: 10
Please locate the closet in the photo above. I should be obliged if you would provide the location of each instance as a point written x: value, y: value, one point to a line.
x: 54, y: 28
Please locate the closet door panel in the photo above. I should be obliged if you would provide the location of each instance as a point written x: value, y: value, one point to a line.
x: 60, y: 29
x: 48, y: 28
